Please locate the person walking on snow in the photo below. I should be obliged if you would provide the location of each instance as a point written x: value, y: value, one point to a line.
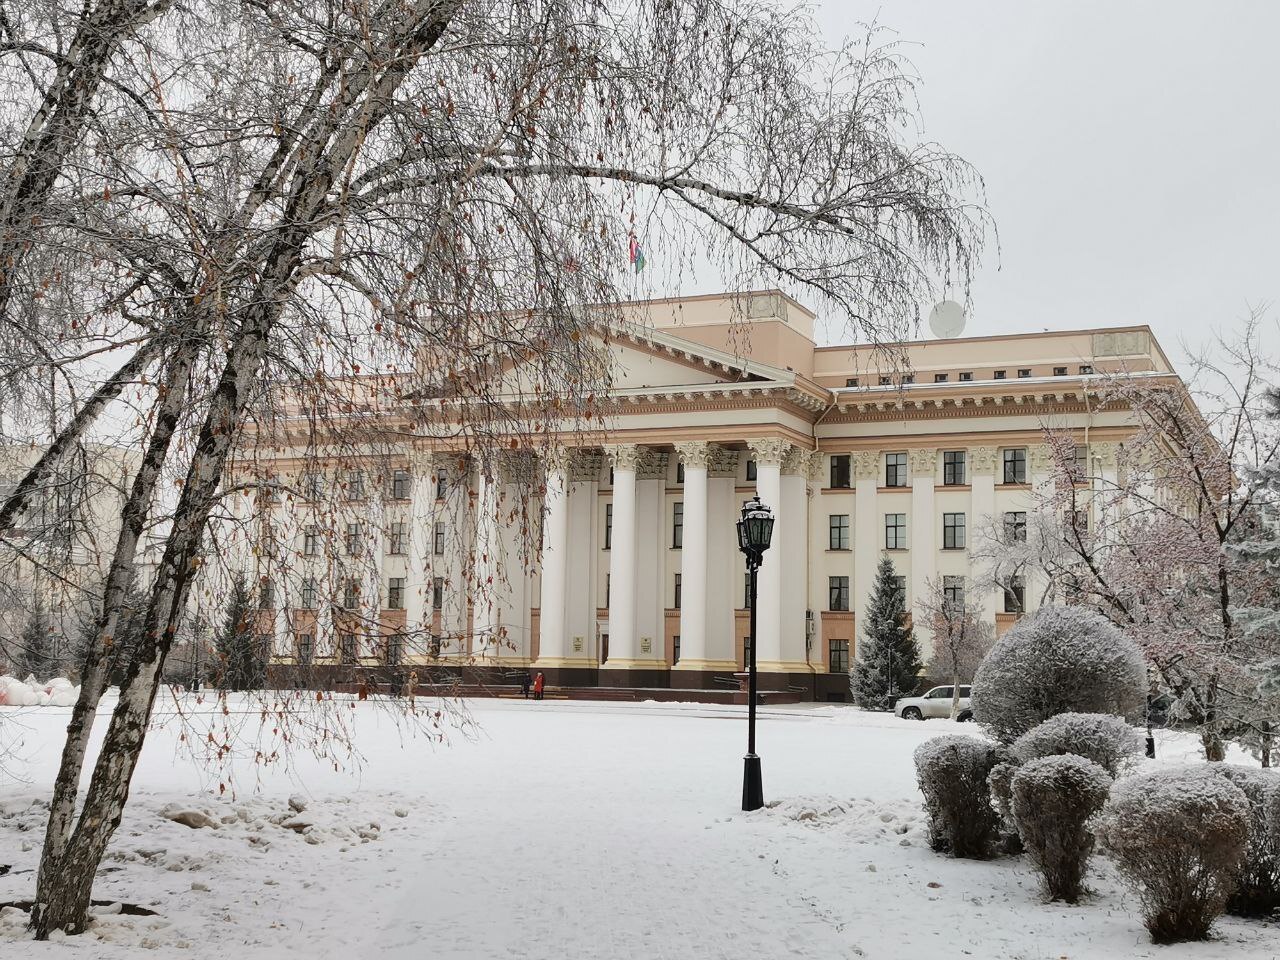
x: 538, y: 683
x: 525, y: 683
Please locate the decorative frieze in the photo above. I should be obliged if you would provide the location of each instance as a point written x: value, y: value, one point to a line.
x: 586, y: 466
x: 652, y: 464
x: 982, y: 459
x: 722, y: 461
x: 866, y: 464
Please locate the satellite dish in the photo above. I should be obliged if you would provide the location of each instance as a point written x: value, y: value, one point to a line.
x: 946, y: 320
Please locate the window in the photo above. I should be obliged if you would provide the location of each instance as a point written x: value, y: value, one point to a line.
x: 350, y: 595
x: 306, y: 648
x: 751, y: 469
x: 395, y: 593
x: 353, y: 539
x: 909, y: 378
x: 840, y: 470
x: 608, y: 588
x: 401, y: 485
x: 1024, y: 372
x: 398, y: 538
x: 675, y: 649
x: 1015, y: 465
x: 746, y: 591
x: 1085, y: 369
x: 838, y: 656
x: 680, y: 472
x: 838, y: 531
x: 1059, y: 371
x: 1015, y: 596
x: 313, y: 486
x: 311, y: 542
x: 885, y: 381
x: 895, y: 531
x: 1015, y: 526
x: 999, y: 374
x: 438, y: 545
x: 347, y: 648
x: 442, y: 482
x: 837, y: 593
x: 1075, y: 521
x: 895, y: 469
x: 676, y: 595
x: 953, y: 464
x: 677, y: 525
x: 355, y: 484
x: 437, y: 592
x: 308, y: 594
x: 433, y: 646
x: 900, y: 588
x: 966, y: 376
x: 395, y: 650
x: 1080, y: 463
x: 851, y: 382
x: 608, y: 526
x: 940, y: 378
x: 267, y: 595
x: 746, y: 652
x: 953, y: 592
x: 953, y: 531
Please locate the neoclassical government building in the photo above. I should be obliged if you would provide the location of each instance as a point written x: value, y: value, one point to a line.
x: 639, y: 582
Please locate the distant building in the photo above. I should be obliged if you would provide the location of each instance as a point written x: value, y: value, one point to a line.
x: 640, y: 582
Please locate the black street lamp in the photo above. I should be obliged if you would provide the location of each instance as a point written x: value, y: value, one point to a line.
x: 755, y: 530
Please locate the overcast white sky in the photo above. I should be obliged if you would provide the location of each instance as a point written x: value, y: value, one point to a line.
x: 1131, y: 152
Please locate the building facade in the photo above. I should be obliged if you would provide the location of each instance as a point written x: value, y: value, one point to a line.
x: 633, y: 577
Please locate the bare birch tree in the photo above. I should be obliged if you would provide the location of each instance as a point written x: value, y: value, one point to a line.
x: 960, y: 635
x: 341, y: 224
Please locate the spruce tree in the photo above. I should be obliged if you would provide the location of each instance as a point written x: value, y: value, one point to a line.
x: 888, y: 663
x: 242, y: 666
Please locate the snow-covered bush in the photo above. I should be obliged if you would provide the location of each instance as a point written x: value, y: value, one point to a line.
x: 1058, y: 660
x: 58, y: 692
x: 1000, y: 783
x: 1258, y: 893
x: 1053, y: 799
x: 1178, y: 837
x: 1107, y: 740
x: 952, y: 772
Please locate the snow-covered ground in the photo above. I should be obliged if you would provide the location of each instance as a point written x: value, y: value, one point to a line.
x: 563, y: 830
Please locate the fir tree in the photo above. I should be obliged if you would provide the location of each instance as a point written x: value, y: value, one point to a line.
x: 888, y: 663
x: 242, y: 664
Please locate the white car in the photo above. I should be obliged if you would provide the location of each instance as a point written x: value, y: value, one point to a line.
x: 935, y: 703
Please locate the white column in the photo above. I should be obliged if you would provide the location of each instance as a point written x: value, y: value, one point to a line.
x: 790, y: 546
x: 653, y: 533
x: 923, y: 533
x: 623, y: 649
x: 724, y: 561
x: 693, y: 559
x: 418, y: 586
x: 868, y: 534
x: 982, y: 509
x: 585, y: 532
x: 552, y: 635
x: 484, y: 570
x: 372, y: 523
x: 769, y: 454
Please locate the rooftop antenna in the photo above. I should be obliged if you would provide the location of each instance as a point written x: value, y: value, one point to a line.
x: 946, y: 319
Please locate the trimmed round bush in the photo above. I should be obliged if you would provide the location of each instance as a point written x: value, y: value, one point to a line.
x: 1000, y: 784
x: 1058, y: 660
x: 952, y: 772
x: 1053, y: 800
x: 1258, y: 890
x: 1178, y: 837
x: 1105, y: 739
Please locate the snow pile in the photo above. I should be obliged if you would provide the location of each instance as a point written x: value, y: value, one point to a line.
x: 864, y: 820
x: 58, y: 692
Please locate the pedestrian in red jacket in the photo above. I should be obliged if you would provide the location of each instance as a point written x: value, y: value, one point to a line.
x: 538, y: 683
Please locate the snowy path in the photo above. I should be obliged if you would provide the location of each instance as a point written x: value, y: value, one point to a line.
x: 575, y: 831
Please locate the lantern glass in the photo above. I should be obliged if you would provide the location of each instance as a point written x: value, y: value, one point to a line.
x: 759, y: 531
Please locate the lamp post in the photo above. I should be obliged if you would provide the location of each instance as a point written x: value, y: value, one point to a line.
x: 755, y: 530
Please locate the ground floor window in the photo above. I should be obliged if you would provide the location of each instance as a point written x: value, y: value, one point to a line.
x: 838, y: 655
x: 675, y: 649
x: 347, y: 648
x: 306, y: 648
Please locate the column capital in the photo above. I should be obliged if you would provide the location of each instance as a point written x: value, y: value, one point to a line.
x: 982, y: 459
x: 695, y: 453
x: 796, y: 462
x: 866, y: 464
x: 623, y: 456
x: 1041, y: 458
x: 558, y: 460
x: 422, y: 461
x: 586, y: 466
x: 1106, y: 453
x: 923, y: 460
x: 770, y: 451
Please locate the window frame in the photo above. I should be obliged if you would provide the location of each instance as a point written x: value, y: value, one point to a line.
x: 677, y: 525
x: 438, y: 538
x: 832, y: 651
x: 955, y: 471
x: 895, y: 469
x: 676, y: 591
x: 897, y: 523
x: 395, y: 593
x: 401, y: 484
x: 954, y: 534
x: 840, y: 472
x: 1015, y: 526
x: 953, y: 593
x: 1017, y: 458
x: 838, y: 531
x: 838, y: 593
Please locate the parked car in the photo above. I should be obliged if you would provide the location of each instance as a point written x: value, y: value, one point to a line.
x: 935, y: 703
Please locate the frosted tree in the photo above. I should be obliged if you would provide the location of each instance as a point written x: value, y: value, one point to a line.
x: 960, y: 635
x: 340, y: 225
x: 243, y: 659
x: 888, y: 662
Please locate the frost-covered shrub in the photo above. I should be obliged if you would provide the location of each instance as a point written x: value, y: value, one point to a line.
x: 1178, y: 837
x: 1058, y: 660
x: 952, y: 772
x: 1258, y: 893
x: 1000, y: 783
x: 1105, y: 739
x: 1053, y: 799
